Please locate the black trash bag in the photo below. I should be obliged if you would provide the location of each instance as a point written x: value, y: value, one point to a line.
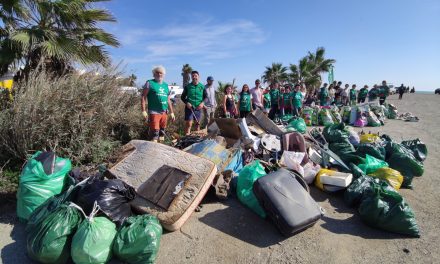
x: 336, y: 133
x: 39, y: 214
x: 356, y: 171
x: 383, y: 207
x: 346, y: 152
x: 354, y: 193
x: 49, y: 241
x: 187, y: 141
x: 418, y: 148
x: 371, y: 149
x: 113, y: 197
x: 402, y: 159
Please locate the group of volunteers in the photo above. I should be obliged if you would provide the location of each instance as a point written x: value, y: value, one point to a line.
x: 275, y: 100
x: 336, y: 95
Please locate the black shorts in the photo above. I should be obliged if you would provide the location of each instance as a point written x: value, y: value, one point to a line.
x: 189, y: 116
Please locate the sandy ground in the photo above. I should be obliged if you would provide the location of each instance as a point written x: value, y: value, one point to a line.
x: 230, y: 233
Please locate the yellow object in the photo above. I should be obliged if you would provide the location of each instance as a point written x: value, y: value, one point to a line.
x: 318, y: 182
x: 173, y: 116
x: 393, y: 177
x: 144, y: 114
x: 369, y: 138
x: 6, y: 84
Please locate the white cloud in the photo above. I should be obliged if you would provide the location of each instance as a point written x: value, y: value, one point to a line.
x: 205, y: 40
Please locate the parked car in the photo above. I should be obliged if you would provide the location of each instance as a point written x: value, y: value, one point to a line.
x: 437, y: 91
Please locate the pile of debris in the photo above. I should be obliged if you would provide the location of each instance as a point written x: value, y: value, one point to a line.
x: 121, y: 210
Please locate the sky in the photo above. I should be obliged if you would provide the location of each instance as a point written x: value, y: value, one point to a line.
x: 371, y: 41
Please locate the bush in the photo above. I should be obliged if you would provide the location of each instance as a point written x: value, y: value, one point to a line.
x: 82, y: 117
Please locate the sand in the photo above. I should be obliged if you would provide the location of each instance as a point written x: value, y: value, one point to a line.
x: 230, y: 233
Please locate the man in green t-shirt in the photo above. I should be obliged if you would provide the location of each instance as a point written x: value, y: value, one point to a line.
x: 193, y: 96
x: 363, y: 92
x: 373, y: 93
x: 353, y: 95
x: 323, y: 95
x: 297, y: 99
x: 156, y: 94
x: 274, y: 100
x: 384, y: 91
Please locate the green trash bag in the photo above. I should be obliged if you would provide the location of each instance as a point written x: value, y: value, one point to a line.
x: 245, y: 182
x: 371, y: 164
x: 353, y: 194
x: 418, y: 148
x: 336, y: 133
x: 357, y: 173
x: 402, y: 159
x: 93, y: 241
x: 49, y: 241
x: 138, y: 240
x: 371, y: 149
x: 36, y: 186
x: 39, y: 214
x: 298, y: 124
x: 384, y: 208
x: 336, y: 116
x: 346, y: 152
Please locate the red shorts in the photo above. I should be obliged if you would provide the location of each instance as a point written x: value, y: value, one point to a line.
x: 158, y: 121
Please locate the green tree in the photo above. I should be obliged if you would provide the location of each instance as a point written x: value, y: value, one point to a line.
x: 186, y: 74
x: 276, y: 72
x: 53, y: 34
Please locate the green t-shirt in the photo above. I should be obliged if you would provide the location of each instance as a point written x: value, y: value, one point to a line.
x: 323, y: 94
x: 274, y: 96
x: 194, y: 93
x: 297, y: 99
x: 372, y: 94
x: 352, y: 94
x: 286, y: 99
x: 363, y: 93
x: 384, y: 91
x: 245, y: 102
x: 266, y: 99
x: 157, y: 96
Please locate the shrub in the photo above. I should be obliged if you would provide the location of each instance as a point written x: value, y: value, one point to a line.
x: 82, y: 117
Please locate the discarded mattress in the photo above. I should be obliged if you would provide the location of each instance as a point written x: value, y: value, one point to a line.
x: 145, y: 160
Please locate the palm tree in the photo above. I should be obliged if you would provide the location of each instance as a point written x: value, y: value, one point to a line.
x: 186, y: 74
x: 53, y: 34
x: 276, y: 72
x: 318, y: 62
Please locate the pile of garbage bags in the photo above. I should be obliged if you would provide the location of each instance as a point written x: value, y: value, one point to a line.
x: 361, y: 115
x: 87, y: 222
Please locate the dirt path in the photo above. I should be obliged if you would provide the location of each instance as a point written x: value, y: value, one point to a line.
x: 230, y: 233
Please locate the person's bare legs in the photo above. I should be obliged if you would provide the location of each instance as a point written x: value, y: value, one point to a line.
x: 188, y: 125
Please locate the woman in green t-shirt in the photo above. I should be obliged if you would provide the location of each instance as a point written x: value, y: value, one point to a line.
x: 297, y: 98
x: 244, y: 104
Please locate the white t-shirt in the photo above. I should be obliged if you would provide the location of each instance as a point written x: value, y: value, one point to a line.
x: 256, y: 96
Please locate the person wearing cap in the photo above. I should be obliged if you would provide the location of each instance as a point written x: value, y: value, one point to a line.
x: 193, y: 96
x: 363, y: 92
x: 157, y: 95
x: 210, y: 101
x: 257, y: 96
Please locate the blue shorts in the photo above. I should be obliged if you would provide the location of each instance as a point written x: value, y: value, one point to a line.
x: 189, y: 114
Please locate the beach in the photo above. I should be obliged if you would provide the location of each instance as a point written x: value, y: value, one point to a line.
x: 228, y: 232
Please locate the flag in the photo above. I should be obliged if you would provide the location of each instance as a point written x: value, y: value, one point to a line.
x: 331, y: 76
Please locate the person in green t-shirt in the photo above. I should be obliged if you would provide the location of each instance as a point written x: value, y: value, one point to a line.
x: 245, y: 102
x: 274, y: 100
x: 323, y: 94
x: 353, y: 95
x: 266, y: 101
x: 384, y: 92
x: 194, y: 95
x: 363, y: 92
x: 287, y: 100
x: 297, y: 99
x: 156, y: 95
x: 373, y: 93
